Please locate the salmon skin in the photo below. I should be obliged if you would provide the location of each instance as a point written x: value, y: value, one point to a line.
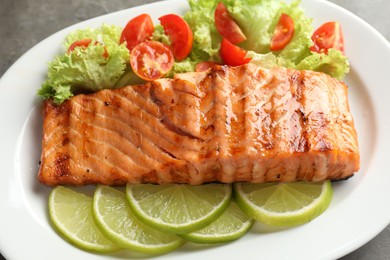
x: 228, y: 124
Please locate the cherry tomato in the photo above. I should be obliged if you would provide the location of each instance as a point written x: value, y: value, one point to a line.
x: 151, y: 60
x: 205, y: 65
x: 283, y: 33
x: 231, y: 54
x: 180, y: 34
x: 226, y: 26
x: 328, y: 36
x: 84, y: 43
x: 137, y: 30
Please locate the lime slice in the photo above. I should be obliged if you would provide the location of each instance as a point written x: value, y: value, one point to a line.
x: 71, y: 214
x: 284, y: 204
x: 178, y: 208
x: 119, y: 224
x: 231, y: 225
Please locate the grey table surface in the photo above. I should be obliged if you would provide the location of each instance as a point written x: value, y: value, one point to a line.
x: 23, y: 23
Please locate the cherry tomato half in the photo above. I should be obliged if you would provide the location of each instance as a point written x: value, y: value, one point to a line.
x: 232, y: 55
x: 226, y: 26
x: 137, y: 30
x: 151, y: 60
x: 180, y: 34
x: 328, y: 36
x: 283, y: 33
x: 84, y: 43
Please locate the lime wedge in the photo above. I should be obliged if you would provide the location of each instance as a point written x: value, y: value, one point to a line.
x: 178, y: 208
x: 284, y: 204
x: 71, y: 214
x: 119, y: 224
x: 231, y: 225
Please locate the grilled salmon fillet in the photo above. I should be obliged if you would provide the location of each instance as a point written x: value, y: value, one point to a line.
x: 227, y: 124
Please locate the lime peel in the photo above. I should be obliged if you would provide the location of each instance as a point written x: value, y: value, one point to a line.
x: 71, y: 215
x: 231, y: 225
x: 178, y: 208
x: 263, y: 211
x: 118, y: 223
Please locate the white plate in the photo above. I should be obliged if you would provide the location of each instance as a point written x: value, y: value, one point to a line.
x: 358, y: 212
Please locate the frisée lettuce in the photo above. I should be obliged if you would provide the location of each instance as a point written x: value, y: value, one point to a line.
x: 87, y: 69
x: 258, y: 19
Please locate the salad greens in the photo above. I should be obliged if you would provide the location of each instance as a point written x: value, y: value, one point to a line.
x: 258, y: 19
x: 88, y: 70
x: 334, y: 63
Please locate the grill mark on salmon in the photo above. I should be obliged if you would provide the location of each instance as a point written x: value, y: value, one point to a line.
x: 154, y: 122
x: 116, y: 127
x: 228, y: 124
x: 95, y: 148
x: 101, y: 141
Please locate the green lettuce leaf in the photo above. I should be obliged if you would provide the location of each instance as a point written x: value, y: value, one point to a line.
x: 299, y: 46
x: 182, y: 66
x: 206, y: 37
x: 160, y: 36
x: 334, y: 63
x: 86, y: 69
x: 268, y: 60
x: 108, y: 35
x: 258, y: 19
